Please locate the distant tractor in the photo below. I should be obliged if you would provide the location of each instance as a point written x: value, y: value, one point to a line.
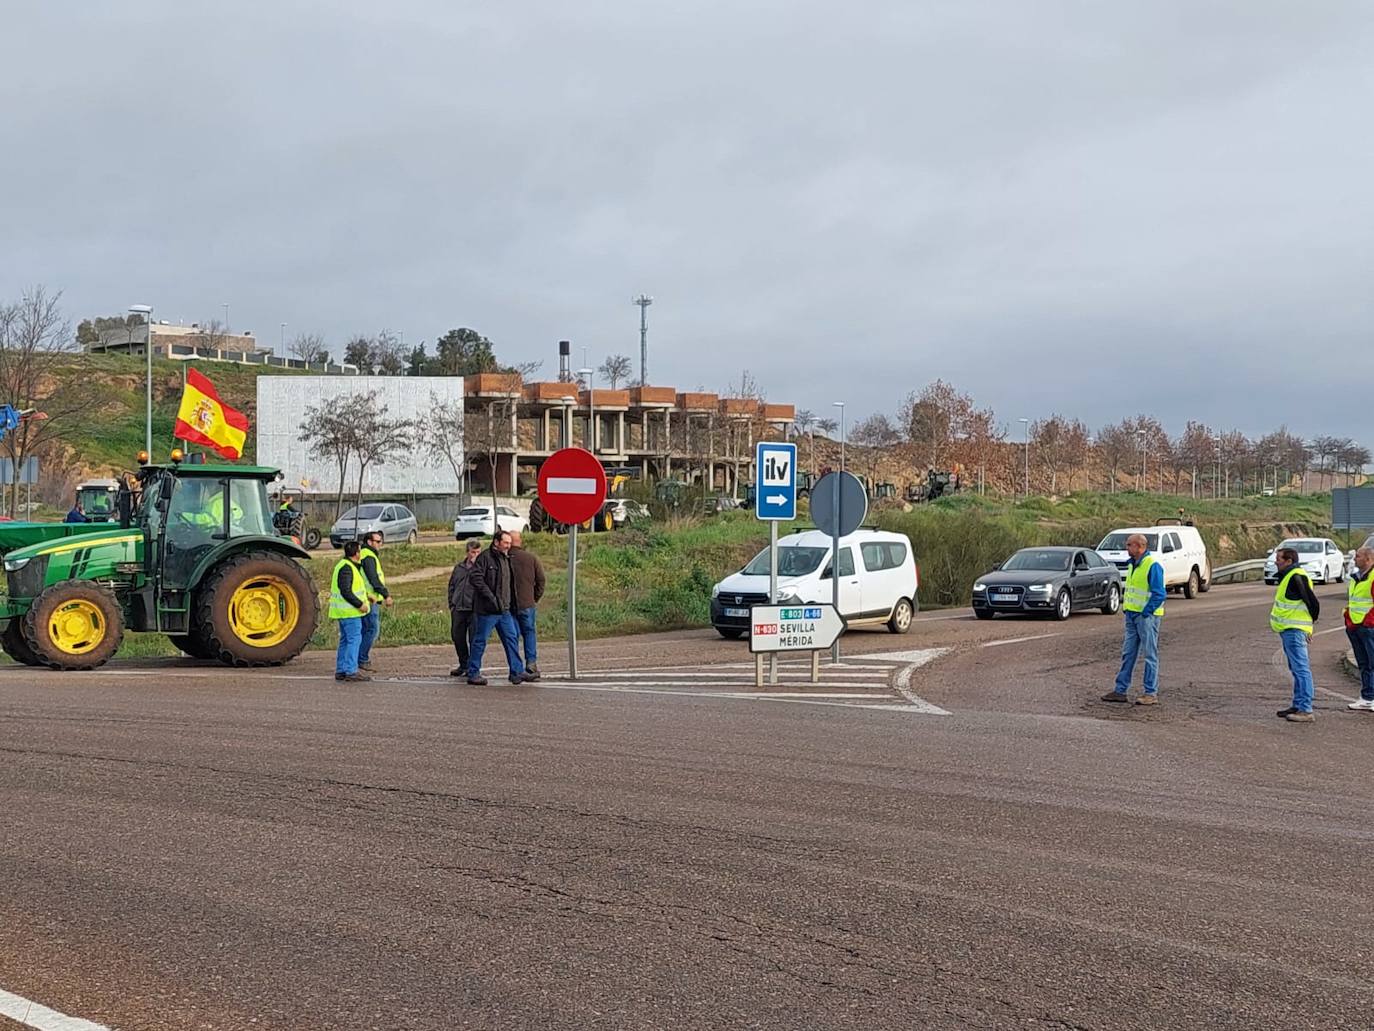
x: 292, y: 522
x: 616, y: 479
x: 97, y: 499
x: 194, y: 555
x: 938, y: 484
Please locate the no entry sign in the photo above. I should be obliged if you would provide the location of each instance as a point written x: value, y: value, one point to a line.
x: 572, y: 485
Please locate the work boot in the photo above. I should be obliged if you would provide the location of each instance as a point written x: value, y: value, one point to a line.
x: 532, y: 674
x: 1115, y: 696
x: 458, y: 671
x: 1301, y: 717
x: 477, y: 681
x: 520, y: 678
x: 356, y: 678
x: 1282, y: 713
x: 1147, y: 699
x: 367, y: 667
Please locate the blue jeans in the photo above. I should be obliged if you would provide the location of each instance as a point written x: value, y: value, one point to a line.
x: 1362, y: 644
x: 1142, y: 637
x: 350, y: 634
x: 524, y: 618
x: 1295, y: 650
x: 372, y: 623
x: 504, y: 625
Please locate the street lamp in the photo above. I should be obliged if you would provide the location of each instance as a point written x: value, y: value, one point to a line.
x: 591, y: 407
x: 840, y: 406
x: 146, y: 310
x: 835, y: 536
x: 281, y: 344
x: 1025, y: 426
x: 225, y: 306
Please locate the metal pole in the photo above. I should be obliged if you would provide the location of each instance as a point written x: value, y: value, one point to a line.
x: 835, y: 540
x: 572, y: 602
x: 772, y: 582
x: 148, y: 354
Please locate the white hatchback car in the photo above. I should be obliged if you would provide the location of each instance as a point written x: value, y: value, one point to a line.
x: 478, y: 521
x: 1324, y: 562
x: 878, y: 581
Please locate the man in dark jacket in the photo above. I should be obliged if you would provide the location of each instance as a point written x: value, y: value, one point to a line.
x: 493, y: 601
x: 460, y: 607
x: 529, y: 588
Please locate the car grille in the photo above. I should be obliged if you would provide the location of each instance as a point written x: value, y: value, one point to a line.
x: 27, y: 583
x: 743, y: 599
x: 1008, y: 595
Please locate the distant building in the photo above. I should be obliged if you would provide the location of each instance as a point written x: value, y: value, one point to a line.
x: 167, y: 336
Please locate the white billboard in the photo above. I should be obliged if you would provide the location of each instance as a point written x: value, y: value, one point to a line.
x: 284, y: 400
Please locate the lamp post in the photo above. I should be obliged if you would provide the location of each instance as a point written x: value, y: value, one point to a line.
x: 835, y: 537
x: 146, y: 310
x: 281, y: 345
x: 591, y: 408
x: 1025, y: 427
x: 225, y: 306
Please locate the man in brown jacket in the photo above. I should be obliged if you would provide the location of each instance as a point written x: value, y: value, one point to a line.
x: 527, y: 577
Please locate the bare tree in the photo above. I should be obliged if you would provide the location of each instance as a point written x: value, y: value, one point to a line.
x: 330, y: 432
x: 309, y: 348
x: 616, y: 368
x: 488, y: 434
x: 390, y: 361
x: 875, y: 435
x: 1116, y: 446
x: 526, y: 369
x: 938, y: 416
x: 36, y: 346
x: 1060, y: 444
x: 442, y: 431
x: 378, y: 438
x: 210, y: 335
x: 1196, y: 448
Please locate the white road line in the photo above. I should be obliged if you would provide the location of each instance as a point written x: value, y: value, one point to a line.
x: 903, y: 685
x: 1018, y: 640
x: 1333, y: 630
x: 741, y: 696
x: 31, y: 1014
x: 920, y: 656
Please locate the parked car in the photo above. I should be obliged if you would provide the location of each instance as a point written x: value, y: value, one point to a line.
x: 396, y: 524
x: 1179, y: 549
x: 1320, y: 556
x: 625, y: 512
x: 478, y: 521
x: 1057, y: 581
x: 878, y: 581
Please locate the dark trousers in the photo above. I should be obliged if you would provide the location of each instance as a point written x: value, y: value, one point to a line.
x: 460, y: 630
x: 1362, y: 644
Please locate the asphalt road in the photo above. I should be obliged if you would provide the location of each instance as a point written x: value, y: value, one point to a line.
x: 663, y: 846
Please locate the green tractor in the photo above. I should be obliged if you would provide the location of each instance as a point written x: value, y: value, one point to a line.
x: 192, y: 554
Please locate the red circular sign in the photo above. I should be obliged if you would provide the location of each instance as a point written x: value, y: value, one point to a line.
x: 572, y: 485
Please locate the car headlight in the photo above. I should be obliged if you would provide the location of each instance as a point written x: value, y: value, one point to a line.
x: 789, y: 598
x: 13, y: 565
x: 1040, y: 588
x: 715, y: 591
x: 980, y: 587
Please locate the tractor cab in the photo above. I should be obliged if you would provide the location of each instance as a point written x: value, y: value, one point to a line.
x: 97, y: 499
x: 194, y: 555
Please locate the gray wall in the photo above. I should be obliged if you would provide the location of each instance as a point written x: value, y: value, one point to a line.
x: 1352, y: 507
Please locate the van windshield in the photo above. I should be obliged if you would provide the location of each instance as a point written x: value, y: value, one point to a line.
x: 1117, y: 541
x: 792, y: 561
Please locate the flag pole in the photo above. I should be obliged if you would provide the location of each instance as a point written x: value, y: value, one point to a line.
x: 183, y: 394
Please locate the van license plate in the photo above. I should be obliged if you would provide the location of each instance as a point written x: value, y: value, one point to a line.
x: 740, y: 613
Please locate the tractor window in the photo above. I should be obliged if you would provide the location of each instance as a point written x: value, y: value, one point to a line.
x: 248, y: 511
x: 194, y: 519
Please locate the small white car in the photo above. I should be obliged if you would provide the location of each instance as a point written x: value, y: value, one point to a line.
x: 478, y: 521
x: 878, y: 581
x: 1178, y: 548
x: 1323, y: 560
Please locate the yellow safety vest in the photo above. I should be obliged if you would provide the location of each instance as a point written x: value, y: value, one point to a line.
x: 381, y: 575
x: 1361, y: 599
x: 1289, y: 615
x: 1138, y: 587
x: 339, y: 606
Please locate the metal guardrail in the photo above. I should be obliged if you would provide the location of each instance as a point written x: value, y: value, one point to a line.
x: 1237, y: 570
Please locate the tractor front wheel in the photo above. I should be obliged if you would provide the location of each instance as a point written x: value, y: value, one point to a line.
x: 191, y: 645
x: 12, y: 640
x: 256, y: 609
x: 74, y: 625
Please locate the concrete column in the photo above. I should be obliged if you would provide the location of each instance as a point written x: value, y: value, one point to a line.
x: 544, y: 440
x: 620, y: 450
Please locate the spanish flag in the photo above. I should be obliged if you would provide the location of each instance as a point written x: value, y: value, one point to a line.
x: 206, y: 420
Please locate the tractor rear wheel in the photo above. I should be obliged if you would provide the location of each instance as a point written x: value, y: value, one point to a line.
x: 312, y: 538
x: 74, y: 625
x: 258, y: 608
x: 190, y: 644
x: 12, y: 639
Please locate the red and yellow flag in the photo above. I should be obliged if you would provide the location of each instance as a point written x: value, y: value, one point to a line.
x: 206, y: 420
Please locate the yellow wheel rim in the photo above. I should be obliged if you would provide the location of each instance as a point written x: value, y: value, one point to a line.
x: 77, y: 627
x: 264, y: 611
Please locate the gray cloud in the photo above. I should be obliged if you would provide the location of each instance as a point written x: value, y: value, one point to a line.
x: 1074, y: 206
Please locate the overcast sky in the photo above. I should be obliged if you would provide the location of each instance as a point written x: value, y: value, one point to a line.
x: 1085, y: 207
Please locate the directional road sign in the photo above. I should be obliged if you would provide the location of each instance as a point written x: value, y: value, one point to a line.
x: 572, y: 485
x: 793, y: 628
x: 775, y: 496
x: 843, y: 520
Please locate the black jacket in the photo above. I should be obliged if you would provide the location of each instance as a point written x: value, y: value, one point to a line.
x: 346, y: 587
x: 460, y: 589
x: 374, y: 578
x: 1300, y: 589
x: 492, y: 582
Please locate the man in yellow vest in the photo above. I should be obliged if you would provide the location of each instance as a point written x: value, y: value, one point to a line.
x: 1294, y: 612
x: 1359, y: 626
x: 1142, y: 609
x: 348, y: 604
x: 371, y: 564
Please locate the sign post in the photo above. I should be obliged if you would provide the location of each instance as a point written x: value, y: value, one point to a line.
x: 775, y: 500
x: 838, y: 506
x: 572, y: 489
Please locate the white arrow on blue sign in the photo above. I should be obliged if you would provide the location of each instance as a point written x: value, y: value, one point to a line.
x: 775, y: 494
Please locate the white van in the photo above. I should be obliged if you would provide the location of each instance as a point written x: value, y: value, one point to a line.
x: 878, y: 581
x: 1178, y: 548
